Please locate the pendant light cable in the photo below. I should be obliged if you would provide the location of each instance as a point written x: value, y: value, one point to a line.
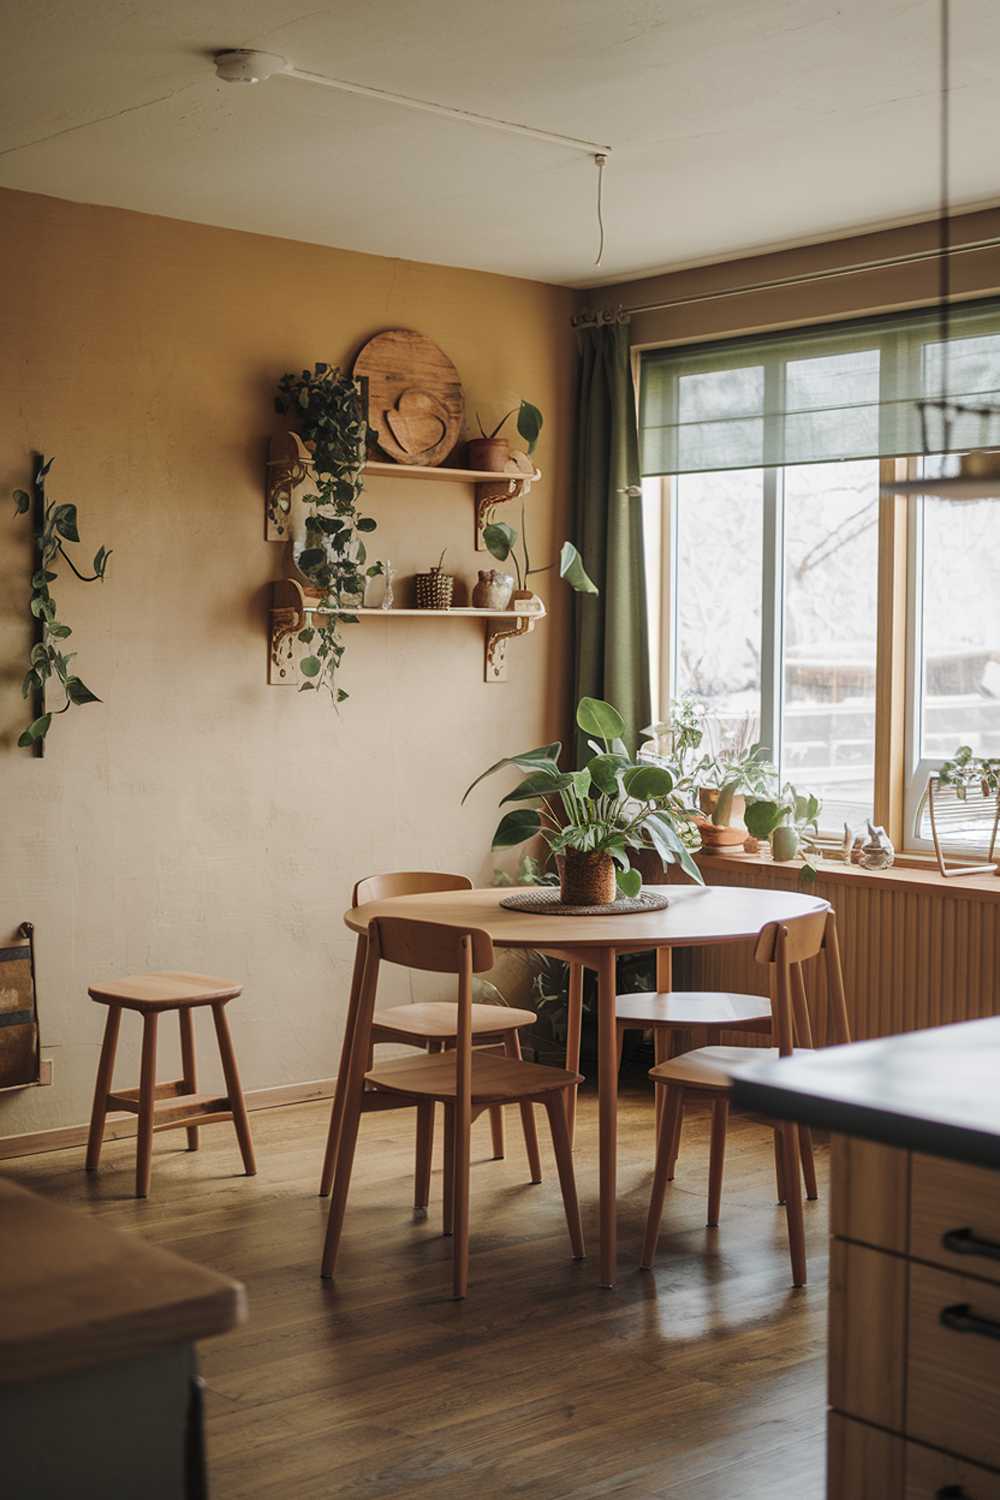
x: 600, y: 161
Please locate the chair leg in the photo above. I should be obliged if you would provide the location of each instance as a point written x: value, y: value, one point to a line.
x: 102, y: 1088
x: 496, y: 1131
x: 234, y: 1089
x: 574, y: 1027
x: 460, y: 1248
x: 448, y: 1199
x: 675, y: 1137
x: 720, y: 1115
x: 779, y: 1169
x: 425, y: 1153
x: 147, y: 1100
x: 185, y: 1020
x: 664, y: 1141
x: 343, y: 1071
x: 512, y: 1046
x: 808, y: 1164
x: 556, y: 1105
x: 346, y: 1146
x: 661, y: 1052
x: 793, y: 1202
x: 619, y: 1043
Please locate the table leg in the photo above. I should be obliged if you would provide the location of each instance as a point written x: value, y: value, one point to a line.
x: 340, y: 1091
x: 574, y: 1024
x: 607, y: 1083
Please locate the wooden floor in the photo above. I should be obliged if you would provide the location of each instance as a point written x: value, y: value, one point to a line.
x: 700, y: 1381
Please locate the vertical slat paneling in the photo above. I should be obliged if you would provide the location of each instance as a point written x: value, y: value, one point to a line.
x: 914, y: 956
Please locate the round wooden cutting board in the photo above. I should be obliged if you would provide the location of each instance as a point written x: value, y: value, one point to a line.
x: 415, y: 400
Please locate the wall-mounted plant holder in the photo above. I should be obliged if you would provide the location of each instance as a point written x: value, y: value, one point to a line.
x: 292, y: 608
x: 21, y: 1064
x: 289, y: 475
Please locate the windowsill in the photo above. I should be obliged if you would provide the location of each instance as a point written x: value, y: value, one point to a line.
x: 914, y: 873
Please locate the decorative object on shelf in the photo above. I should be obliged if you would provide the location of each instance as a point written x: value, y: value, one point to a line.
x: 594, y: 816
x: 293, y: 611
x: 290, y: 478
x: 784, y: 822
x: 20, y: 1047
x: 549, y: 903
x: 493, y: 589
x: 435, y: 588
x: 388, y: 596
x: 962, y: 803
x: 55, y: 524
x: 331, y: 412
x: 491, y: 451
x: 877, y: 852
x: 501, y: 540
x: 415, y: 401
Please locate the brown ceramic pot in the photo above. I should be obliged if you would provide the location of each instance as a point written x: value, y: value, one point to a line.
x: 587, y: 879
x: 489, y: 455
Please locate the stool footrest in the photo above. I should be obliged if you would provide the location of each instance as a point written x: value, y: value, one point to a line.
x: 129, y: 1098
x: 175, y: 1109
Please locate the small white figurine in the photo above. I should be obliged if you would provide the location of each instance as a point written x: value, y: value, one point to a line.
x: 877, y: 853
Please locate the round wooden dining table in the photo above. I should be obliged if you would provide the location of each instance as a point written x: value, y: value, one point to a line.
x: 697, y: 916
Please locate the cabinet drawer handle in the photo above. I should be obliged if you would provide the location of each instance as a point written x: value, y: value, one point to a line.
x: 962, y: 1319
x: 967, y: 1242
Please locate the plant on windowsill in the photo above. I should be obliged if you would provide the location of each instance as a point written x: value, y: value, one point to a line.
x: 965, y: 770
x: 331, y: 412
x: 591, y: 819
x: 490, y: 452
x: 721, y: 782
x: 783, y: 821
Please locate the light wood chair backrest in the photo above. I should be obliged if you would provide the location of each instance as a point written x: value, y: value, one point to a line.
x: 407, y: 883
x: 785, y: 947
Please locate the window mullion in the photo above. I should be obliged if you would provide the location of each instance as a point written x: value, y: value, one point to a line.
x: 772, y: 614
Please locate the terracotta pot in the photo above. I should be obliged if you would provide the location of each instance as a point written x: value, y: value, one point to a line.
x: 713, y: 837
x: 708, y: 796
x: 587, y: 879
x: 491, y: 455
x: 784, y: 843
x: 521, y: 594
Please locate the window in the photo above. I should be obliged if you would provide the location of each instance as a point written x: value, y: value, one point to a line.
x: 763, y: 459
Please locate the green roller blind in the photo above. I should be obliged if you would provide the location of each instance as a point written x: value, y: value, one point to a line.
x: 812, y: 395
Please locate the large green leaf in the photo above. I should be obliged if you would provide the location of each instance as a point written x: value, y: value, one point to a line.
x: 515, y: 827
x: 596, y: 717
x: 36, y: 731
x: 648, y: 783
x: 545, y: 757
x: 309, y: 666
x: 22, y: 500
x: 581, y: 782
x: 604, y: 772
x: 571, y: 568
x: 79, y: 692
x: 64, y: 519
x: 499, y: 539
x: 629, y: 882
x: 762, y: 817
x: 529, y: 423
x: 539, y: 784
x: 670, y: 846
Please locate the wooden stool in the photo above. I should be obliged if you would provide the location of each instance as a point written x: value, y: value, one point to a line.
x: 167, y: 1106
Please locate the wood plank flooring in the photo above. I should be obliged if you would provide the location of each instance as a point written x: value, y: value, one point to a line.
x: 704, y: 1380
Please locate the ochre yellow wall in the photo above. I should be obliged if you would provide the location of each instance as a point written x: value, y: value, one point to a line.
x: 198, y: 818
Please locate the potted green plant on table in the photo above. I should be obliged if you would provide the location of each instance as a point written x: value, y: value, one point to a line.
x: 593, y: 819
x: 490, y: 452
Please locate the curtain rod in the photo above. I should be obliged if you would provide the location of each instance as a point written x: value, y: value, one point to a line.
x: 621, y: 313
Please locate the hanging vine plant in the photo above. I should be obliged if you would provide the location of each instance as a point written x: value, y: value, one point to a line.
x: 330, y: 411
x: 55, y: 525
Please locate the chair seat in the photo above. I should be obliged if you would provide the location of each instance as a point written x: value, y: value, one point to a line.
x: 164, y: 990
x: 436, y: 1019
x: 711, y: 1068
x: 688, y: 1009
x: 495, y: 1079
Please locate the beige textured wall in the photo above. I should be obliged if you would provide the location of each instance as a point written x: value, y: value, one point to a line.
x: 199, y: 818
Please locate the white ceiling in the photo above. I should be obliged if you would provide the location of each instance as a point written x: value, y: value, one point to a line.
x: 735, y: 124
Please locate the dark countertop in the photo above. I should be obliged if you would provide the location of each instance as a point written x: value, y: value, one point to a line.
x: 936, y: 1091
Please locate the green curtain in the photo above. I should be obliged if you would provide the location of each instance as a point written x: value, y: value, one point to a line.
x: 611, y: 629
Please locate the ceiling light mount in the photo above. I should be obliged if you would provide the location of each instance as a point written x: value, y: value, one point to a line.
x: 244, y: 65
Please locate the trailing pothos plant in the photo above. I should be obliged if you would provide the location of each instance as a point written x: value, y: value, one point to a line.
x: 330, y: 410
x: 966, y: 769
x: 55, y: 525
x: 613, y: 805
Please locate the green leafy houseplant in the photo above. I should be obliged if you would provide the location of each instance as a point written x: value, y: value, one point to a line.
x: 55, y: 525
x: 592, y: 819
x: 501, y: 540
x: 331, y: 413
x: 965, y: 769
x: 783, y: 821
x: 529, y: 424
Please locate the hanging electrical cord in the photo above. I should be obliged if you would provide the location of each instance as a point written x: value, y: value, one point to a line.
x: 600, y: 162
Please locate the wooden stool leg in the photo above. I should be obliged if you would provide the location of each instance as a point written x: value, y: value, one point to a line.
x: 234, y: 1088
x: 661, y: 1053
x: 425, y: 1152
x: 461, y: 1134
x: 343, y: 1072
x: 496, y: 1131
x: 555, y: 1104
x: 448, y: 1203
x: 664, y: 1140
x: 188, y: 1065
x: 512, y: 1047
x: 619, y: 1043
x: 675, y: 1137
x: 102, y: 1088
x: 779, y: 1169
x: 574, y: 1026
x: 720, y: 1114
x: 147, y: 1100
x: 808, y: 1164
x: 793, y: 1202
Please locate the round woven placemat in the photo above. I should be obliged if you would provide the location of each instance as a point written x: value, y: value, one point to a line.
x: 547, y: 901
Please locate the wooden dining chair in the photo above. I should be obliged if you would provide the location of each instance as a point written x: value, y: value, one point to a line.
x: 706, y: 1073
x: 466, y: 1080
x: 431, y: 1025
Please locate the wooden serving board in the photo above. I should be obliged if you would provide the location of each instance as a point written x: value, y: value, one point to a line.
x: 415, y: 400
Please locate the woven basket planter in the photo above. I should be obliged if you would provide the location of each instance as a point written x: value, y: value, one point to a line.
x: 587, y: 879
x: 434, y: 589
